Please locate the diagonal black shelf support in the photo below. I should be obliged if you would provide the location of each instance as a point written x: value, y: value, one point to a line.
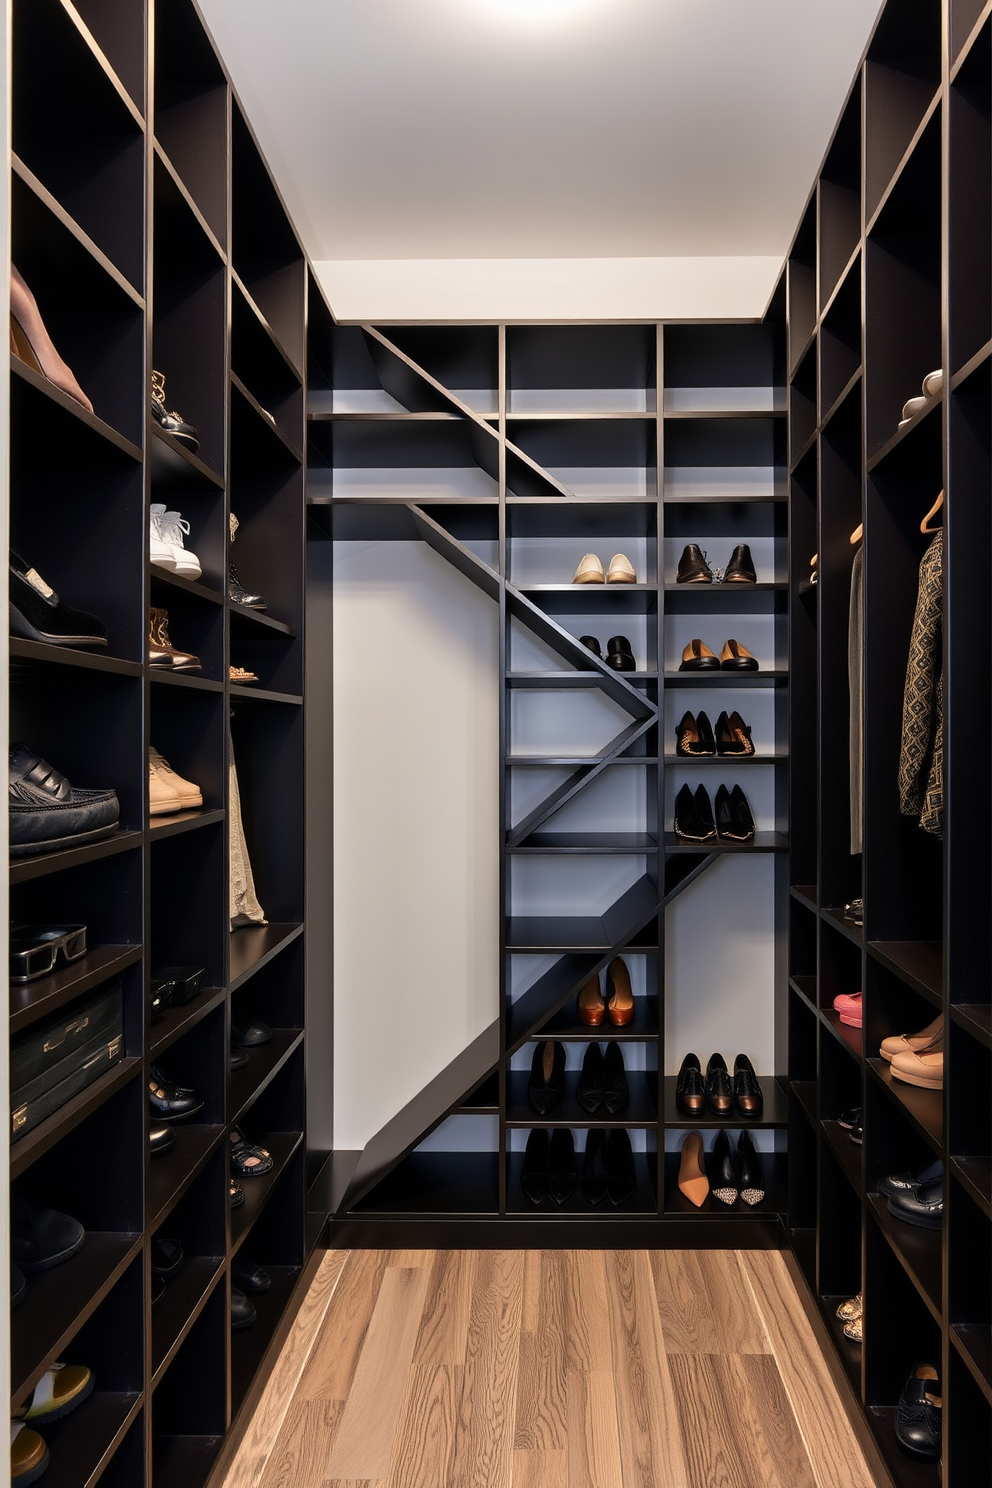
x: 575, y: 782
x: 439, y: 1098
x: 684, y: 869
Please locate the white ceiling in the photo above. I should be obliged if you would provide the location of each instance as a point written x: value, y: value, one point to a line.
x: 542, y: 129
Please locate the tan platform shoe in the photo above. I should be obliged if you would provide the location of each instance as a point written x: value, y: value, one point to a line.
x: 924, y: 1068
x: 589, y: 571
x: 911, y: 1043
x: 162, y: 775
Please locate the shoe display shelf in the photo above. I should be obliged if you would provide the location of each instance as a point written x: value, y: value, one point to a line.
x: 888, y: 279
x: 534, y: 446
x: 213, y: 293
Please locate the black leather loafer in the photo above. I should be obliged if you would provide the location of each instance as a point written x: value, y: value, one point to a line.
x: 243, y: 1312
x: 249, y: 1031
x: 621, y: 1179
x: 249, y: 1276
x: 593, y: 1181
x: 169, y: 1101
x: 918, y: 1423
x: 589, y: 1090
x: 563, y: 1178
x: 740, y: 569
x: 693, y: 568
x: 47, y: 813
x: 38, y: 614
x: 747, y: 1092
x: 690, y: 1087
x: 591, y: 644
x: 167, y: 1257
x: 850, y: 1119
x: 616, y: 1093
x: 894, y: 1184
x: 546, y: 1087
x: 161, y: 1139
x: 534, y: 1173
x: 239, y: 1057
x: 619, y: 656
x: 922, y: 1206
x: 719, y: 1091
x: 42, y: 1238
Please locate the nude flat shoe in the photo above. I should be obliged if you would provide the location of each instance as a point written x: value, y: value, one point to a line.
x: 924, y: 1068
x: 589, y: 571
x: 911, y: 1043
x: 621, y: 570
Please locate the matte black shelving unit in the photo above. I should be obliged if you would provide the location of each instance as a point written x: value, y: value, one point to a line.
x: 540, y: 443
x: 889, y: 278
x: 145, y: 221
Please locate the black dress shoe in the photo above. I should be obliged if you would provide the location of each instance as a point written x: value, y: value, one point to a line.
x: 591, y: 644
x: 167, y: 1258
x: 589, y: 1091
x: 694, y: 816
x: 856, y: 1135
x: 18, y: 1285
x: 42, y: 1238
x: 534, y: 1173
x: 690, y: 1087
x: 693, y: 568
x: 621, y: 1179
x: 249, y: 1276
x: 161, y: 1139
x: 750, y: 1179
x: 38, y: 614
x: 922, y: 1206
x: 919, y: 1414
x: 850, y: 1119
x: 243, y: 1312
x: 733, y: 735
x: 546, y: 1088
x: 563, y: 1178
x: 719, y: 1091
x: 740, y: 569
x: 894, y: 1184
x: 158, y: 1290
x: 734, y: 822
x: 616, y: 1093
x: 619, y: 656
x: 47, y: 813
x: 238, y: 594
x: 694, y: 736
x: 594, y: 1180
x: 249, y: 1031
x: 723, y: 1178
x: 239, y: 1058
x: 747, y: 1092
x: 169, y: 1101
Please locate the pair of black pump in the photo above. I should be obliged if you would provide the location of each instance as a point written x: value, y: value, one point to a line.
x: 619, y: 656
x: 602, y: 1082
x: 695, y: 821
x: 694, y: 736
x: 550, y: 1169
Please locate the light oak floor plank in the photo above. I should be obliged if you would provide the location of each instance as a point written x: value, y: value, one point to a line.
x: 705, y: 1303
x: 833, y: 1449
x: 260, y: 1440
x: 551, y: 1369
x: 363, y: 1443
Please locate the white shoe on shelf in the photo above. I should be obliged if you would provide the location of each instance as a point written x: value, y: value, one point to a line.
x: 169, y: 791
x: 167, y: 551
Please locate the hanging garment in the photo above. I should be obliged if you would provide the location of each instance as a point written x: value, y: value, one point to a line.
x: 856, y: 679
x: 245, y: 908
x: 921, y: 759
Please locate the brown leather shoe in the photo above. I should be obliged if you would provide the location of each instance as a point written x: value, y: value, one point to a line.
x: 618, y: 990
x: 160, y: 646
x: 735, y: 657
x: 592, y: 1008
x: 698, y: 657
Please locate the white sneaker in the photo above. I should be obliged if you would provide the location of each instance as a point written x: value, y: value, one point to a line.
x: 163, y: 779
x: 167, y: 551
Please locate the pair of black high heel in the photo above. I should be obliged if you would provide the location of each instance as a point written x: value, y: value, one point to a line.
x: 550, y: 1168
x: 619, y: 656
x: 602, y: 1082
x: 694, y: 736
x: 736, y: 1174
x: 695, y: 820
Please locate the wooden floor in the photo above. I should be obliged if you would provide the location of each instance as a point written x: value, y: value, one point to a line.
x: 551, y: 1369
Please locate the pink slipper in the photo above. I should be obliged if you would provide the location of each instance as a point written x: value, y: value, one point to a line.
x: 848, y: 1006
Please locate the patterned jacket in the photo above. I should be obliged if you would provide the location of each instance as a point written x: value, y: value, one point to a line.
x: 921, y: 759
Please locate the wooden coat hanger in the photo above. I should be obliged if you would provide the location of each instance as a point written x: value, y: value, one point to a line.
x: 857, y: 534
x: 937, y: 506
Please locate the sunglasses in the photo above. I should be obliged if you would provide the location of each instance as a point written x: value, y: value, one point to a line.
x: 35, y: 949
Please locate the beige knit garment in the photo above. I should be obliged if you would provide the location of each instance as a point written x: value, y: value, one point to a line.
x: 245, y: 908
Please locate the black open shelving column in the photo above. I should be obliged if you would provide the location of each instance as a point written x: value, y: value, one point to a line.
x: 888, y: 280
